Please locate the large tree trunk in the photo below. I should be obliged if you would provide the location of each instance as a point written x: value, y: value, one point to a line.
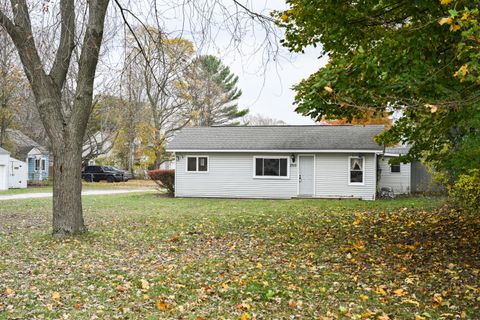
x: 67, y: 187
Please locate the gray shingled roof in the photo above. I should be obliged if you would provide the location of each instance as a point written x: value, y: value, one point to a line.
x: 3, y: 151
x: 398, y: 150
x: 316, y: 137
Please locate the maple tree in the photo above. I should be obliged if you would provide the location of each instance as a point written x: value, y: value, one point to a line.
x: 417, y: 58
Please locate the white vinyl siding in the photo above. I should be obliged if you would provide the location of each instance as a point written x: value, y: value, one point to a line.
x: 230, y: 175
x: 333, y: 176
x: 399, y: 181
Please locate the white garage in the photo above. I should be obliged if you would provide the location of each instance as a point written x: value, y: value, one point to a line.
x: 13, y: 172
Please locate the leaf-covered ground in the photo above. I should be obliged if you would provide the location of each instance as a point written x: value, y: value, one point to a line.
x: 148, y: 257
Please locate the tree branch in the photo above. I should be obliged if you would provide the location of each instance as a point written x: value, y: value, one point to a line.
x: 67, y: 43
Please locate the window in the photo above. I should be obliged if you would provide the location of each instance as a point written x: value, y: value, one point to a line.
x: 356, y: 170
x: 197, y: 164
x: 271, y: 167
x: 395, y: 168
x: 37, y: 164
x: 40, y: 165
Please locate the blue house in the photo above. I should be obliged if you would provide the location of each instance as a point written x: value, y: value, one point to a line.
x: 36, y: 156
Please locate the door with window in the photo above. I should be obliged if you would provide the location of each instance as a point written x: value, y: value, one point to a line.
x: 306, y: 177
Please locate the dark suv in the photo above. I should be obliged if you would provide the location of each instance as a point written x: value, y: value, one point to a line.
x: 98, y: 173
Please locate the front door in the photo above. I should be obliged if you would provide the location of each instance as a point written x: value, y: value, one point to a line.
x: 305, y: 175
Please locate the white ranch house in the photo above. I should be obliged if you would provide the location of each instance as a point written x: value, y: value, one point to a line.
x: 282, y: 162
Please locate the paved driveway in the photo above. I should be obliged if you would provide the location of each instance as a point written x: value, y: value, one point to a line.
x: 36, y: 195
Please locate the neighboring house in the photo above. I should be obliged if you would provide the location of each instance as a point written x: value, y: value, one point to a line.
x: 13, y: 172
x: 277, y: 161
x: 37, y: 157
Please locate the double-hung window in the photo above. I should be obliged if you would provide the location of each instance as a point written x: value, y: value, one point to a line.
x: 271, y: 167
x: 356, y: 168
x: 197, y: 164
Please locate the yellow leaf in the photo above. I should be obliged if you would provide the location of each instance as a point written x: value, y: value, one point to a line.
x: 415, y: 303
x: 445, y: 2
x: 417, y: 317
x: 380, y: 291
x: 56, y: 296
x: 399, y: 292
x: 328, y: 89
x: 445, y: 20
x: 284, y: 17
x: 245, y: 316
x: 363, y: 297
x: 366, y: 315
x: 383, y: 317
x: 225, y: 286
x: 162, y: 305
x: 454, y: 27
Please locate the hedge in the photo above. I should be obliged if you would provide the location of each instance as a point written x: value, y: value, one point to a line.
x: 164, y: 179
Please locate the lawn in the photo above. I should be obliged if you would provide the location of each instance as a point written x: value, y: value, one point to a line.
x: 131, y: 184
x: 150, y: 257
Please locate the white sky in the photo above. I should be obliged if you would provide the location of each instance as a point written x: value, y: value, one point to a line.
x: 266, y: 89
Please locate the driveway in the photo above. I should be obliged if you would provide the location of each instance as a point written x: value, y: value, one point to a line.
x: 36, y: 195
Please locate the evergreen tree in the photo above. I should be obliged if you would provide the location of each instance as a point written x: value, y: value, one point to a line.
x: 212, y: 91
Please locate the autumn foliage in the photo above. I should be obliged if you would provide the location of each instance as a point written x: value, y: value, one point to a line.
x: 369, y: 118
x: 164, y: 179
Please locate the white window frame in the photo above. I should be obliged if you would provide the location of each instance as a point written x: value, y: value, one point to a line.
x: 43, y: 164
x: 271, y: 157
x: 197, y: 163
x: 350, y: 183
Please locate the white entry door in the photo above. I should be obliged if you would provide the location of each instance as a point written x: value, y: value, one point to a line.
x: 306, y: 175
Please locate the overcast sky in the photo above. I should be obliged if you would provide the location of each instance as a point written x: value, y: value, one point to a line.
x: 266, y: 87
x: 268, y: 91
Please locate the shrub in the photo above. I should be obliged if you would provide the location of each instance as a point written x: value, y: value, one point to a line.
x: 164, y: 179
x: 465, y: 193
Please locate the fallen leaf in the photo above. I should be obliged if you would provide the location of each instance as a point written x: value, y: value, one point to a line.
x: 144, y: 284
x: 162, y: 305
x: 56, y: 296
x: 445, y: 20
x: 245, y: 316
x: 399, y: 292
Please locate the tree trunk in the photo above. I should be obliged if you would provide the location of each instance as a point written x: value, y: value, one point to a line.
x: 67, y: 187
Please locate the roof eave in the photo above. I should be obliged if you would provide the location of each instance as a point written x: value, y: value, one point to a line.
x: 279, y: 150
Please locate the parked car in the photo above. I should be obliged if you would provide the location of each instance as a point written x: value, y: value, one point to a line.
x: 127, y: 175
x: 98, y: 173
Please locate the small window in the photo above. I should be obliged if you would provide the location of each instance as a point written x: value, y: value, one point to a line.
x: 271, y: 167
x: 43, y: 164
x: 356, y: 170
x: 395, y: 168
x: 37, y: 165
x: 197, y: 164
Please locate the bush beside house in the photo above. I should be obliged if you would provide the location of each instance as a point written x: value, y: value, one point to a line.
x: 164, y: 179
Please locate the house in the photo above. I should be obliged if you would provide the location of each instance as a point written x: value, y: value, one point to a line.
x: 277, y: 161
x: 36, y: 156
x: 4, y: 163
x: 404, y: 178
x: 13, y: 172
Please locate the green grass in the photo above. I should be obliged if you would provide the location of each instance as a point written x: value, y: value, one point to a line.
x: 132, y: 184
x: 150, y: 257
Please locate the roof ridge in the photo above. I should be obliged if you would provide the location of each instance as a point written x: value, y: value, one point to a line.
x: 291, y: 125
